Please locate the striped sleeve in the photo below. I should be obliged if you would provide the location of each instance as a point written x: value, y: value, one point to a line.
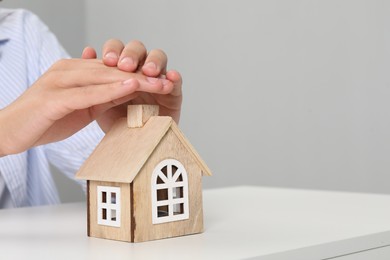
x: 42, y: 39
x: 67, y: 155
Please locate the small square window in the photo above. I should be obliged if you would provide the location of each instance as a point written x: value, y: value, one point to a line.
x: 113, y: 198
x: 178, y: 209
x: 104, y: 197
x: 104, y: 213
x: 162, y: 211
x: 113, y: 214
x: 178, y: 192
x: 162, y: 194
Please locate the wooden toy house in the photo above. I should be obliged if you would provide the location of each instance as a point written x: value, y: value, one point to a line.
x: 144, y: 180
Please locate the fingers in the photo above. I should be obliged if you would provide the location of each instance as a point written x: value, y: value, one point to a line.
x: 177, y: 81
x: 119, y: 103
x: 132, y: 56
x: 155, y: 64
x: 88, y: 53
x: 154, y: 85
x: 79, y: 73
x: 110, y: 116
x: 80, y: 76
x: 75, y: 64
x: 106, y: 96
x: 111, y: 52
x: 85, y: 97
x: 100, y: 76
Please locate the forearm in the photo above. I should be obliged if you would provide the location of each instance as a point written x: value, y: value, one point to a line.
x: 8, y: 134
x: 20, y: 126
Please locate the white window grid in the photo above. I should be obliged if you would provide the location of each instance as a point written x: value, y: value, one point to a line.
x: 110, y: 206
x: 170, y: 182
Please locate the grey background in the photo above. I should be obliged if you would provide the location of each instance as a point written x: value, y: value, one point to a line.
x: 277, y: 92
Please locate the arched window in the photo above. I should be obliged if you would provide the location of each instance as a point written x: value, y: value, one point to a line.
x: 169, y: 192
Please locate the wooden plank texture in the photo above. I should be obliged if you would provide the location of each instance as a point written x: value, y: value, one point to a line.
x: 170, y: 147
x: 102, y: 231
x: 205, y: 169
x: 123, y: 151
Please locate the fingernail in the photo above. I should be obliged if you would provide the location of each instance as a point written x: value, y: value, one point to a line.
x: 152, y: 80
x: 128, y: 82
x: 127, y: 60
x: 150, y: 65
x: 111, y: 55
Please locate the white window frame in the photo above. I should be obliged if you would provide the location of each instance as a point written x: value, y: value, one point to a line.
x: 108, y: 205
x: 169, y: 182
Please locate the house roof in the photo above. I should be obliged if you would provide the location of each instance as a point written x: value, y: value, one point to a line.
x: 124, y: 151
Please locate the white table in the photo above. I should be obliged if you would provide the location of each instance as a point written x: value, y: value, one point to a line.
x: 240, y: 222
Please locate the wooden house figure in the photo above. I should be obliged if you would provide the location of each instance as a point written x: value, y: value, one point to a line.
x: 144, y: 180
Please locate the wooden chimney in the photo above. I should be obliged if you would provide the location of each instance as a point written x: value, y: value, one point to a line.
x: 137, y: 115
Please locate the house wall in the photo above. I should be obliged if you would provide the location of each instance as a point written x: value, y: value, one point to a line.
x: 168, y: 148
x: 95, y: 230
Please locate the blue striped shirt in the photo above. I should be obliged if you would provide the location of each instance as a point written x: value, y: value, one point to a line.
x: 27, y: 50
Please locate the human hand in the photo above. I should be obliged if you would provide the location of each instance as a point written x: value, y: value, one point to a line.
x: 66, y: 98
x: 134, y: 58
